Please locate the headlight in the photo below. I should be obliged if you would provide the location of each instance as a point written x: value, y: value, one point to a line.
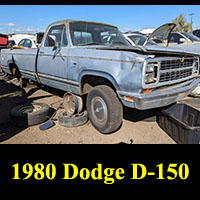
x: 150, y: 68
x: 150, y: 78
x: 151, y: 72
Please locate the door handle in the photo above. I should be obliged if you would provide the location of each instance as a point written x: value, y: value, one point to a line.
x: 42, y: 52
x: 73, y: 62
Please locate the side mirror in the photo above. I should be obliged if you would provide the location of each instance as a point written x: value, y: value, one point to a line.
x: 182, y: 40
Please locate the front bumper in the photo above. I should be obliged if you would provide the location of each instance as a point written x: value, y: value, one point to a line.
x: 159, y: 98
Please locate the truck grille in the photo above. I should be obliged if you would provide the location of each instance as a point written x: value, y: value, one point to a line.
x: 175, y: 64
x: 175, y: 75
x: 173, y: 70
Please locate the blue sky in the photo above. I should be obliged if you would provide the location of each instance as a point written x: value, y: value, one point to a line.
x: 35, y: 18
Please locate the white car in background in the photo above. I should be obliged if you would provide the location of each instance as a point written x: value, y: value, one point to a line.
x: 159, y: 36
x: 27, y: 43
x: 137, y: 38
x: 23, y: 40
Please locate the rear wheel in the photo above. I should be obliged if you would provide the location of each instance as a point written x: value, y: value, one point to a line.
x: 105, y: 111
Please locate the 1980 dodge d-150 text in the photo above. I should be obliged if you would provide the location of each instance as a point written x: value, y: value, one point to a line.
x: 95, y: 59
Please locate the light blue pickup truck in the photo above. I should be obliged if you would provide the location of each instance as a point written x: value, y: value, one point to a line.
x: 94, y: 59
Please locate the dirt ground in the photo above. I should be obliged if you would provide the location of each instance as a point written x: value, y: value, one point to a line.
x: 138, y: 126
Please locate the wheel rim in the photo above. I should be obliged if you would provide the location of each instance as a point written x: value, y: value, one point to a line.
x: 99, y: 110
x: 69, y: 103
x: 30, y: 109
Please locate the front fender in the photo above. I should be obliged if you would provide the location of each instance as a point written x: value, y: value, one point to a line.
x: 105, y: 75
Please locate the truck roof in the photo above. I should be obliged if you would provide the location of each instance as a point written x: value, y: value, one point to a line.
x: 79, y: 21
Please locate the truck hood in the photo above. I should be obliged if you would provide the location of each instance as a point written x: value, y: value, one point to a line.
x: 153, y: 49
x: 162, y: 33
x: 167, y: 50
x: 193, y: 47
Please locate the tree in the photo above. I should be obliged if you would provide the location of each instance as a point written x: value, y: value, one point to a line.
x: 182, y: 25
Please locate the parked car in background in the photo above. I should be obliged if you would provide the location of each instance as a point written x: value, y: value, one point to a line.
x: 163, y: 36
x: 25, y: 40
x: 159, y: 36
x: 16, y: 38
x: 27, y: 43
x: 182, y: 38
x: 197, y: 32
x: 136, y: 39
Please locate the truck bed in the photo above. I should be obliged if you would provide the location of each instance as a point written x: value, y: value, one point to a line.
x: 24, y: 58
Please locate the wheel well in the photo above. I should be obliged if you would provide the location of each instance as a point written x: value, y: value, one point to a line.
x: 90, y: 81
x: 14, y: 70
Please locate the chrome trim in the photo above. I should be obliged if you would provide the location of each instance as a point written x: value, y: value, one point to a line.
x: 78, y: 57
x: 58, y: 79
x: 27, y: 72
x: 17, y: 54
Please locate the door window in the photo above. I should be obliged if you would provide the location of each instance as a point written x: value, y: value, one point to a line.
x: 56, y: 34
x: 21, y: 43
x: 175, y: 38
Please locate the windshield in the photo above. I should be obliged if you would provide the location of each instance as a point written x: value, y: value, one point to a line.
x: 140, y: 40
x: 191, y: 37
x: 83, y: 34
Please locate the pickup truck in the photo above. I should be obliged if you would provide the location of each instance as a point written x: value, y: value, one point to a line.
x: 95, y: 60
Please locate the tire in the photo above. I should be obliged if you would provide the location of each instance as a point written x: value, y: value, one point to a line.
x: 105, y: 111
x: 30, y: 114
x: 72, y: 121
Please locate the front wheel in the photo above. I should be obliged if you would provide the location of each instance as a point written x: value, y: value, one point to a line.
x: 104, y: 109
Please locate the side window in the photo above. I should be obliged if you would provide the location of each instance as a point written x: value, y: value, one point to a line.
x: 56, y: 34
x: 28, y: 43
x: 21, y: 43
x: 174, y: 38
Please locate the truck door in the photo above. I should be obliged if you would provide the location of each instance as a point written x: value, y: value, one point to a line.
x: 52, y: 58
